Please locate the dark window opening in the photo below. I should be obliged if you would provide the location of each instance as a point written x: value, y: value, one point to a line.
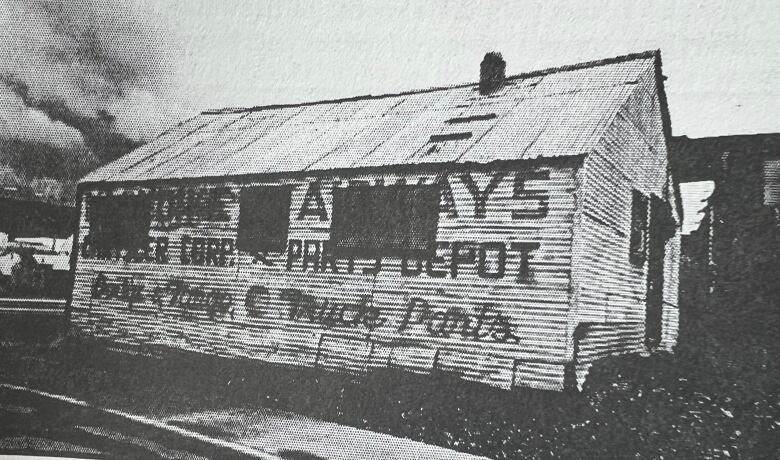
x: 396, y: 221
x: 264, y: 219
x: 660, y: 228
x: 119, y: 225
x: 638, y: 240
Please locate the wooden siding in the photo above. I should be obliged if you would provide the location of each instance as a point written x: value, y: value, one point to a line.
x: 609, y: 292
x: 671, y: 312
x: 517, y: 332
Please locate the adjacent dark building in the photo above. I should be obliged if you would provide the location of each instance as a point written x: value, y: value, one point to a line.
x: 731, y: 263
x: 33, y: 208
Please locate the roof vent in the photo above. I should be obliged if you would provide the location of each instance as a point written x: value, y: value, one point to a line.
x: 492, y: 73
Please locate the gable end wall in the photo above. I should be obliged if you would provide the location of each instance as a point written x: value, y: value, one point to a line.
x: 609, y: 293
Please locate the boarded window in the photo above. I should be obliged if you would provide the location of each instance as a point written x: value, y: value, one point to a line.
x: 264, y: 219
x: 638, y: 241
x: 772, y: 183
x: 398, y: 220
x: 119, y: 224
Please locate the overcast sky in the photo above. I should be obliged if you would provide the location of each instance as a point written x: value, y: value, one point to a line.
x: 721, y: 58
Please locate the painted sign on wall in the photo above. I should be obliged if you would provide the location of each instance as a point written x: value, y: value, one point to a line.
x: 494, y: 282
x: 179, y: 299
x: 177, y: 210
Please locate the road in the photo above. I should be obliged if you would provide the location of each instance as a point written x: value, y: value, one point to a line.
x: 30, y: 321
x: 36, y: 423
x: 32, y: 306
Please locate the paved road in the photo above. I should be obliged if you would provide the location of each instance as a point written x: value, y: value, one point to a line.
x: 40, y: 424
x: 32, y: 306
x: 30, y: 321
x: 37, y: 423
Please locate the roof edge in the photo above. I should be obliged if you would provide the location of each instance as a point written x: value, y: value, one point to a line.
x: 536, y: 73
x: 666, y: 127
x: 685, y: 137
x: 574, y: 159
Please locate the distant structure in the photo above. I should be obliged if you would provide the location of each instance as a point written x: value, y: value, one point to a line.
x: 33, y: 208
x: 510, y: 232
x: 734, y: 256
x: 34, y: 228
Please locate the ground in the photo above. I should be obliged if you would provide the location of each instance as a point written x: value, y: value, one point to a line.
x: 711, y: 400
x: 31, y: 423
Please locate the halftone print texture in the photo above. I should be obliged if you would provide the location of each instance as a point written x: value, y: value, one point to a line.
x: 488, y: 268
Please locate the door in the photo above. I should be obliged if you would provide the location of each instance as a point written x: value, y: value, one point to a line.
x: 658, y: 230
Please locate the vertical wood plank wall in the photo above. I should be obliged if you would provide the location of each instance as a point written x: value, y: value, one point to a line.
x: 501, y: 331
x: 610, y: 292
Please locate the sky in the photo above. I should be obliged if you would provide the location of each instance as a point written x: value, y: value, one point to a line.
x: 721, y: 58
x: 84, y: 82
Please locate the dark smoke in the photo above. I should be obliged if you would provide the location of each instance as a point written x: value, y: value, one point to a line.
x: 81, y: 83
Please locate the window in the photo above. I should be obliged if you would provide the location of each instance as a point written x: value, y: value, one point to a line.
x: 397, y: 220
x: 638, y: 241
x: 119, y: 224
x: 264, y: 219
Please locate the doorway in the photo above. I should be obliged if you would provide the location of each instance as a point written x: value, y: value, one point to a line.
x: 658, y: 233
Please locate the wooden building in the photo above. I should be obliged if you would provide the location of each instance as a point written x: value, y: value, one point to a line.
x: 732, y: 260
x: 510, y: 232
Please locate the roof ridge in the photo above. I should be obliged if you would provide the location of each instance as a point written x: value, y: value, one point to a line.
x: 535, y: 73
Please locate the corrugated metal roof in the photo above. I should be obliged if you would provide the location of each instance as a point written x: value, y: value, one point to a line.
x: 555, y: 112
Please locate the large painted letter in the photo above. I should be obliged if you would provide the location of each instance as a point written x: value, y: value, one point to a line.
x: 447, y: 201
x: 313, y: 204
x: 481, y: 196
x: 542, y: 197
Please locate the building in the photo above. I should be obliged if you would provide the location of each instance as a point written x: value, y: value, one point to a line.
x: 509, y: 232
x: 33, y: 208
x: 35, y: 221
x: 744, y: 208
x: 732, y: 259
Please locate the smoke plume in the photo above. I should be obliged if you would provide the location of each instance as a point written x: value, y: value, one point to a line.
x: 81, y: 83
